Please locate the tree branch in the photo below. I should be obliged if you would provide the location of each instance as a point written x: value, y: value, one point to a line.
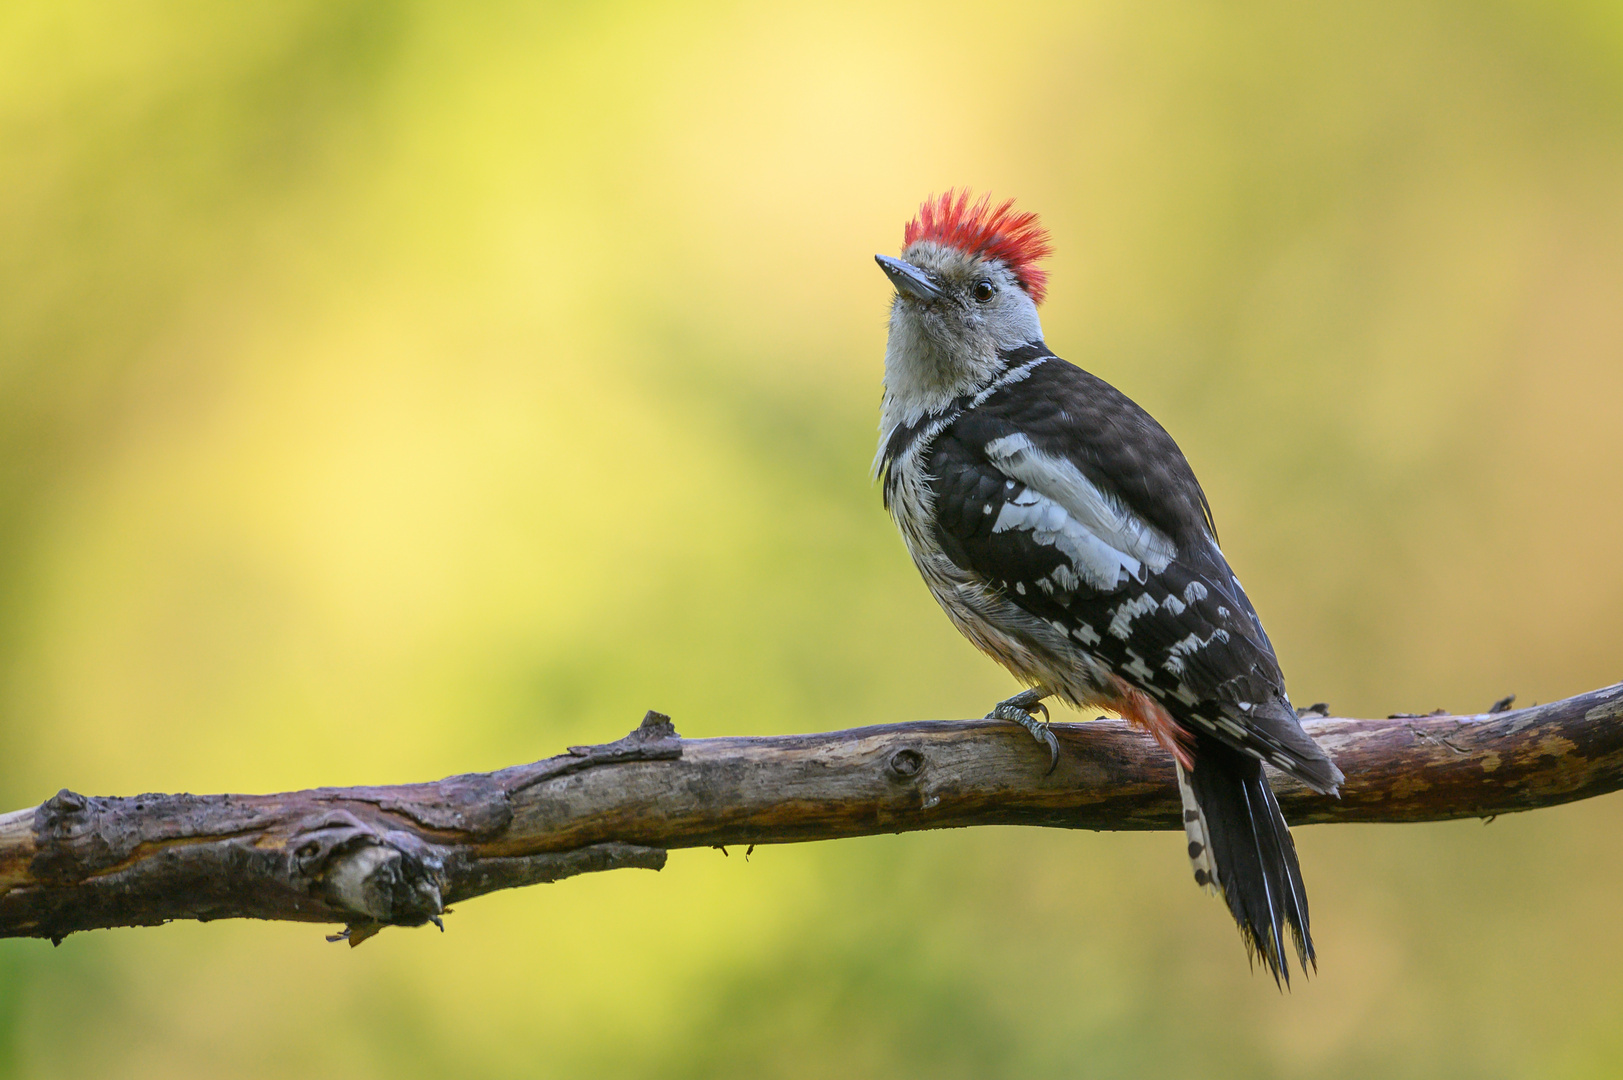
x: 375, y: 856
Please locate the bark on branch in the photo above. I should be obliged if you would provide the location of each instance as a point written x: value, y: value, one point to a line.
x: 375, y: 856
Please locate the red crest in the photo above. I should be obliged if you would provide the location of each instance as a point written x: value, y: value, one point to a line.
x: 1017, y: 239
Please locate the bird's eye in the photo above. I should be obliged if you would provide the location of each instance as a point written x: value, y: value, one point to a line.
x: 983, y: 290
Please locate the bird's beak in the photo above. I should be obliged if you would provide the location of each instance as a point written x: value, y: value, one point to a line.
x: 910, y: 280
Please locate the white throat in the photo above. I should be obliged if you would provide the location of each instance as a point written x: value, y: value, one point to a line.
x: 927, y: 365
x: 924, y: 371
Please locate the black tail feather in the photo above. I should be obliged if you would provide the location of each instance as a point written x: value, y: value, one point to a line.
x: 1255, y: 856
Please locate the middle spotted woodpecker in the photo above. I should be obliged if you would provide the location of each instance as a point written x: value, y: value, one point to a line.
x: 1066, y: 536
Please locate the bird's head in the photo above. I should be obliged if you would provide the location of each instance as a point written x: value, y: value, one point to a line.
x: 967, y: 289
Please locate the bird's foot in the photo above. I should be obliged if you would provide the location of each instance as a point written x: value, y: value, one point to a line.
x: 1021, y: 709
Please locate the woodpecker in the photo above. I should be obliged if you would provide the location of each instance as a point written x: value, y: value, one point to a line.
x: 1064, y: 534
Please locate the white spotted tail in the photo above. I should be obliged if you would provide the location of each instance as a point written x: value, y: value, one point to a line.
x: 1199, y: 835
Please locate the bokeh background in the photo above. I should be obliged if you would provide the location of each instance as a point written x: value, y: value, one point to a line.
x: 389, y: 390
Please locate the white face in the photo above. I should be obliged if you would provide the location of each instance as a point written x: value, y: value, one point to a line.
x: 947, y: 346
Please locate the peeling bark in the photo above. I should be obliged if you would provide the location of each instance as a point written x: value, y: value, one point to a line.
x: 369, y: 857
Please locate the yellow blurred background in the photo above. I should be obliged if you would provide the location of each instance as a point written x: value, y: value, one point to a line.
x: 389, y: 390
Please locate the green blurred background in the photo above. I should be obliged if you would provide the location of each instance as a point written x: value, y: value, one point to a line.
x: 389, y: 390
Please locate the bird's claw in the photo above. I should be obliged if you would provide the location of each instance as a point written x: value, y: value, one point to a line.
x: 1020, y: 709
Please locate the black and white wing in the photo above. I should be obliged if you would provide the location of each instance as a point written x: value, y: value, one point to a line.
x: 1079, y: 508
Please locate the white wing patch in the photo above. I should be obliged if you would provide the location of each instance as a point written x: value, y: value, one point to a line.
x: 1103, y: 517
x: 1093, y: 560
x: 1191, y: 644
x: 1136, y: 667
x: 1121, y: 623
